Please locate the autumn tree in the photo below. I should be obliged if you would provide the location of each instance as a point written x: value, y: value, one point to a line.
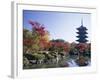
x: 27, y: 41
x: 40, y: 35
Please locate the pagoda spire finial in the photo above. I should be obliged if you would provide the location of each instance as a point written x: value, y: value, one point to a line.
x: 81, y: 22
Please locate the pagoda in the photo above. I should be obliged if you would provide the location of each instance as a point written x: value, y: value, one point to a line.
x: 82, y: 34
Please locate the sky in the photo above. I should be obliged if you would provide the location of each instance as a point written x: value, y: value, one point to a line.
x: 61, y: 25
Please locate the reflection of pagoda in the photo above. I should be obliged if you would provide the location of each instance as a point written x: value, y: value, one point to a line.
x: 82, y: 34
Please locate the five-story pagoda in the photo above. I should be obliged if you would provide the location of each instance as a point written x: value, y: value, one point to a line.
x: 82, y: 34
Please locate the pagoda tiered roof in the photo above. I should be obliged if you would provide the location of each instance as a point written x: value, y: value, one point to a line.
x: 82, y: 34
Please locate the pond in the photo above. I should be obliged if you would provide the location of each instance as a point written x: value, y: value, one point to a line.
x: 72, y: 63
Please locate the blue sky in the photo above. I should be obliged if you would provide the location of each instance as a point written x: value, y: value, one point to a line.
x: 60, y: 25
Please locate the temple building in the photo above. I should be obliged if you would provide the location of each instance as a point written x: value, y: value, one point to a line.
x: 82, y: 34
